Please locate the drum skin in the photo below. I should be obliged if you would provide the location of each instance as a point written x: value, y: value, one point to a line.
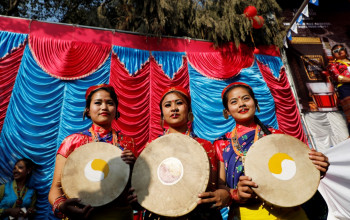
x: 279, y: 164
x: 95, y: 173
x: 169, y: 174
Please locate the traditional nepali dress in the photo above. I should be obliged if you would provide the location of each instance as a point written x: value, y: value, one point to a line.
x: 253, y: 209
x: 119, y: 208
x: 9, y: 196
x: 203, y: 211
x: 336, y: 69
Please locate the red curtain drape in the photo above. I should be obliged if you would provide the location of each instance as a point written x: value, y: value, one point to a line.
x: 9, y: 66
x: 287, y: 112
x: 140, y: 96
x: 225, y: 63
x: 68, y: 60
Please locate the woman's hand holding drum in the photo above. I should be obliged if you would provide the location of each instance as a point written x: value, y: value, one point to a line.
x: 128, y: 157
x: 244, y: 188
x: 73, y: 209
x: 220, y: 198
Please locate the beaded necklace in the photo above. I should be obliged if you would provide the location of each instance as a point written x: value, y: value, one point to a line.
x: 235, y: 143
x: 20, y: 195
x: 94, y: 136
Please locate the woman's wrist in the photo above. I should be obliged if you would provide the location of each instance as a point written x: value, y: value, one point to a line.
x: 234, y: 195
x: 56, y: 206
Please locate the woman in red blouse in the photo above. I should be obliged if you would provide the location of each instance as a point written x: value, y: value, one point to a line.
x: 101, y: 108
x: 340, y: 73
x: 175, y: 107
x: 239, y: 102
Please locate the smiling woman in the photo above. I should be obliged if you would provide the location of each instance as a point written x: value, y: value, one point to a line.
x: 16, y: 198
x: 340, y: 72
x: 240, y: 103
x: 101, y: 108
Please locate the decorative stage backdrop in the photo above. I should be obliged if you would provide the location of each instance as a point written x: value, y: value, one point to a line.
x: 46, y: 68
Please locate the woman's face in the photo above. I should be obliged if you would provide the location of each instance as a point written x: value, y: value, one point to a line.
x: 241, y: 105
x: 175, y: 110
x: 102, y: 109
x: 339, y: 52
x: 20, y: 171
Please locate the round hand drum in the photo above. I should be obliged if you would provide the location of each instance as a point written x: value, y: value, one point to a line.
x: 169, y: 174
x: 95, y: 173
x: 281, y: 167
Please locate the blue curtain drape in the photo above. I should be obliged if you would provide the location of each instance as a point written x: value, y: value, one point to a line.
x: 274, y: 63
x: 171, y: 62
x: 10, y: 41
x: 43, y: 110
x: 133, y: 59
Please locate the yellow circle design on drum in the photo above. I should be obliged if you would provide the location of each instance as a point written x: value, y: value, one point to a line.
x: 279, y: 164
x: 96, y: 170
x: 95, y: 173
x: 282, y: 166
x: 170, y: 171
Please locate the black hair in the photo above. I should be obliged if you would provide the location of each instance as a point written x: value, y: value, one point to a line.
x: 28, y: 162
x: 251, y: 93
x: 188, y: 101
x: 262, y: 126
x: 30, y: 165
x: 111, y: 93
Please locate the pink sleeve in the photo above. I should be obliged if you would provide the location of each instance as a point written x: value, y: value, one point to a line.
x: 70, y: 143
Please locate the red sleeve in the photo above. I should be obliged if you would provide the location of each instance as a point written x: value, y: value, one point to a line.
x: 276, y: 131
x: 70, y: 143
x: 337, y: 69
x: 219, y: 148
x: 209, y: 148
x: 332, y: 68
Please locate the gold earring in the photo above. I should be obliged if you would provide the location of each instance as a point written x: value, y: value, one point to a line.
x: 258, y: 107
x: 190, y: 117
x: 224, y: 112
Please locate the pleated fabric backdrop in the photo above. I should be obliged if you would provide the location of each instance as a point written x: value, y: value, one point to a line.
x: 45, y: 70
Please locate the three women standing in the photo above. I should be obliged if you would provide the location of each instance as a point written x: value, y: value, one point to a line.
x: 227, y: 182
